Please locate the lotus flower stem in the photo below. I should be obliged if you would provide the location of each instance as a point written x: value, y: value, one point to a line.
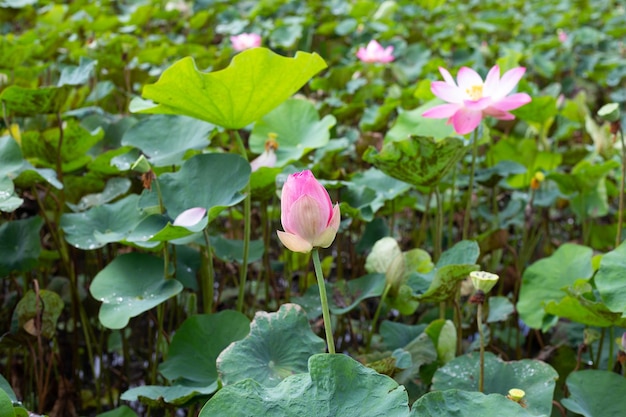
x: 620, y: 212
x: 376, y: 315
x: 208, y: 284
x: 325, y: 311
x: 247, y: 204
x: 479, y: 322
x: 470, y: 189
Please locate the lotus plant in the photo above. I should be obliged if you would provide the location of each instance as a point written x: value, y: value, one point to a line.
x: 470, y: 98
x: 310, y: 222
x: 245, y: 41
x: 375, y: 53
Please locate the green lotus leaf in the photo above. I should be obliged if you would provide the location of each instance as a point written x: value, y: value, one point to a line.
x: 279, y: 345
x: 588, y: 392
x: 30, y: 307
x: 335, y: 385
x: 537, y: 379
x: 32, y: 101
x: 20, y: 244
x: 610, y: 279
x: 256, y: 81
x: 297, y: 128
x: 544, y: 280
x: 467, y: 404
x: 212, y: 181
x: 420, y: 161
x: 165, y: 139
x: 130, y: 285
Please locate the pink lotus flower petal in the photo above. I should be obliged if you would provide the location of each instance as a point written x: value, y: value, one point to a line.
x: 508, y: 81
x: 442, y: 111
x: 375, y: 53
x: 447, y: 77
x: 473, y: 99
x: 477, y: 105
x: 307, y: 213
x: 467, y: 78
x: 266, y: 159
x: 512, y: 102
x: 447, y: 92
x: 190, y: 217
x: 465, y: 120
x: 245, y: 41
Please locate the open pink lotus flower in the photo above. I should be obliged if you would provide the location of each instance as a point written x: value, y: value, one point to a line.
x: 245, y: 41
x: 307, y: 214
x: 472, y: 99
x: 374, y: 52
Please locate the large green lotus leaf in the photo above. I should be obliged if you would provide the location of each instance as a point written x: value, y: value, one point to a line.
x: 420, y: 161
x: 123, y: 411
x: 165, y: 139
x: 131, y: 284
x: 491, y: 176
x: 197, y: 343
x: 297, y: 127
x: 595, y: 393
x: 114, y: 188
x: 537, y: 379
x: 412, y: 123
x: 159, y: 396
x: 460, y: 403
x: 500, y: 308
x: 32, y: 101
x: 344, y: 296
x: 29, y: 307
x: 336, y: 385
x: 422, y: 351
x: 94, y: 228
x: 9, y: 201
x: 609, y: 279
x: 20, y: 244
x: 212, y: 181
x: 6, y: 387
x: 386, y: 187
x: 544, y: 281
x: 463, y: 252
x: 263, y: 183
x: 585, y: 176
x: 256, y: 81
x: 279, y: 345
x: 443, y: 335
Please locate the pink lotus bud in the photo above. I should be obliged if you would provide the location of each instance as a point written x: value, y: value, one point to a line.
x: 374, y: 52
x: 307, y: 214
x: 245, y: 41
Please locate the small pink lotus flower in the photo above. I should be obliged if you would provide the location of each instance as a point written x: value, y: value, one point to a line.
x: 190, y: 217
x: 375, y: 53
x: 245, y: 41
x: 562, y: 35
x: 307, y: 214
x: 472, y: 99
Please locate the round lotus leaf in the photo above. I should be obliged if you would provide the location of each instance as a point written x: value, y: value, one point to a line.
x: 335, y: 385
x: 588, y: 392
x: 279, y: 345
x: 130, y: 285
x: 536, y: 378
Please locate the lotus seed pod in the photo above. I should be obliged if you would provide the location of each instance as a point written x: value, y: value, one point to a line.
x: 483, y: 281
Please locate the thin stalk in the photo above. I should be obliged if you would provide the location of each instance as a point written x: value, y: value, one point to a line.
x: 437, y: 238
x: 208, y: 284
x: 470, y: 189
x: 247, y: 208
x: 600, y: 346
x: 479, y: 322
x: 376, y: 315
x: 325, y: 311
x: 611, y: 347
x: 620, y: 213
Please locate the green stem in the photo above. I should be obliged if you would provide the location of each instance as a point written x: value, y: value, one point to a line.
x: 208, y: 284
x: 438, y: 226
x: 620, y: 213
x: 247, y: 208
x: 376, y: 315
x: 479, y: 322
x: 470, y: 189
x: 611, y: 347
x: 325, y: 311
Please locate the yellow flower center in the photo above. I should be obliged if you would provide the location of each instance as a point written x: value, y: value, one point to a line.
x: 475, y: 92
